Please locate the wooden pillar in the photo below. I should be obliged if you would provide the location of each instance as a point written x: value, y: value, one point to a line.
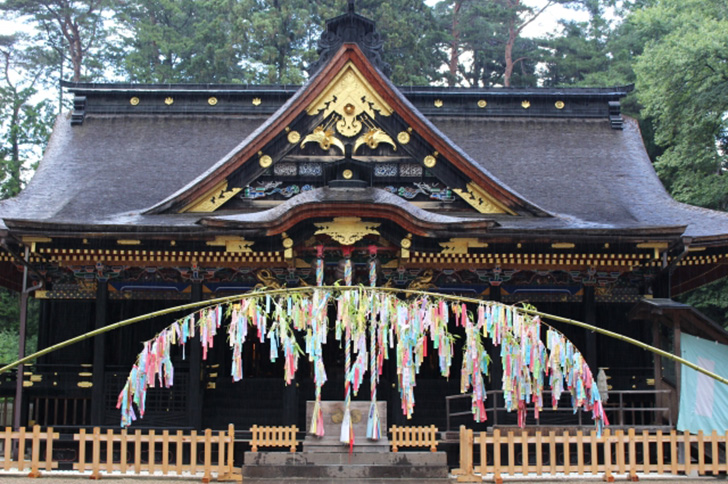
x: 194, y: 396
x: 99, y: 359
x: 496, y: 369
x: 677, y: 347
x: 290, y: 403
x: 590, y: 317
x: 19, y: 409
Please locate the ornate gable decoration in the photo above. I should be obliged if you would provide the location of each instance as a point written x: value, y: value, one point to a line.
x: 349, y: 96
x: 347, y: 230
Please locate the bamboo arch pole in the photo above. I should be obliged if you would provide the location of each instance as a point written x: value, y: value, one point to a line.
x: 273, y: 292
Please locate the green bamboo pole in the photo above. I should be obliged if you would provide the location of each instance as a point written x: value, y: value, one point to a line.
x: 273, y: 292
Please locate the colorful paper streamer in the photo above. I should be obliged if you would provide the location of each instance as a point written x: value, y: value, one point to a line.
x: 374, y: 324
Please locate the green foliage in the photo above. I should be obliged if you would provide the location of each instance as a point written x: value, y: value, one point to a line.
x: 410, y: 37
x: 25, y: 122
x: 682, y: 80
x: 165, y: 41
x: 10, y: 326
x: 73, y: 29
x: 711, y: 300
x: 485, y: 44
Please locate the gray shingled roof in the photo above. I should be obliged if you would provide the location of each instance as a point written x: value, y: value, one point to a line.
x: 116, y: 164
x: 580, y: 170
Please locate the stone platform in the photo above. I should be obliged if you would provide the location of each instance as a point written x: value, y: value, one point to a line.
x: 354, y: 467
x: 326, y: 459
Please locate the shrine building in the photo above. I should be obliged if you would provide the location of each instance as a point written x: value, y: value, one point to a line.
x: 150, y: 196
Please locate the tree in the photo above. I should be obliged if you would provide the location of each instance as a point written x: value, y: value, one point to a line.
x: 411, y: 39
x: 485, y: 44
x: 24, y: 123
x: 280, y: 37
x: 166, y: 41
x: 681, y: 81
x: 74, y: 28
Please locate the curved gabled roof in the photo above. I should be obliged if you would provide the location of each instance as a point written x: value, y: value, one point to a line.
x: 246, y: 151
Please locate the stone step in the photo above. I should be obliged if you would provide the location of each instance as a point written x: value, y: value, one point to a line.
x: 356, y: 472
x: 358, y: 465
x: 355, y: 458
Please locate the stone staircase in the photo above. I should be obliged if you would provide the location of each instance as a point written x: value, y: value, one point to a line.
x: 365, y: 467
x: 326, y: 459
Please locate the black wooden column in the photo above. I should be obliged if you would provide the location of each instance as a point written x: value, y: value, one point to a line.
x: 194, y: 395
x: 99, y: 368
x: 590, y: 317
x: 496, y: 369
x: 290, y: 403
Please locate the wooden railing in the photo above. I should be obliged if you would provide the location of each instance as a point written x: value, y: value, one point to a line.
x: 170, y: 454
x: 576, y: 453
x: 15, y: 443
x: 413, y: 437
x: 623, y: 410
x: 273, y: 437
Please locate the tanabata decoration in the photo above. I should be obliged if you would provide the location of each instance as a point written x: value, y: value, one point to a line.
x: 375, y: 324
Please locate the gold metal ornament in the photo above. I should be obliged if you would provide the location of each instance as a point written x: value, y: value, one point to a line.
x: 482, y: 103
x: 265, y: 161
x: 372, y: 138
x: 287, y: 243
x: 168, y: 101
x: 526, y: 104
x: 403, y: 137
x: 349, y: 95
x: 347, y: 230
x: 559, y: 104
x: 256, y: 101
x: 134, y: 101
x: 347, y: 174
x: 430, y: 161
x: 213, y: 199
x: 481, y: 200
x: 212, y: 100
x: 325, y: 139
x: 438, y: 103
x: 406, y: 243
x: 294, y: 137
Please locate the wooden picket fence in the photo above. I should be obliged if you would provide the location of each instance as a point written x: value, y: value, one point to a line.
x: 524, y: 453
x: 413, y: 437
x: 15, y: 443
x: 282, y: 436
x: 130, y: 454
x: 169, y: 453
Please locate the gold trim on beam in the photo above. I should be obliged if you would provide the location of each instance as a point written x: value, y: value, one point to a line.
x: 27, y: 239
x: 563, y: 245
x: 460, y: 245
x: 481, y: 200
x: 213, y: 199
x: 232, y: 244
